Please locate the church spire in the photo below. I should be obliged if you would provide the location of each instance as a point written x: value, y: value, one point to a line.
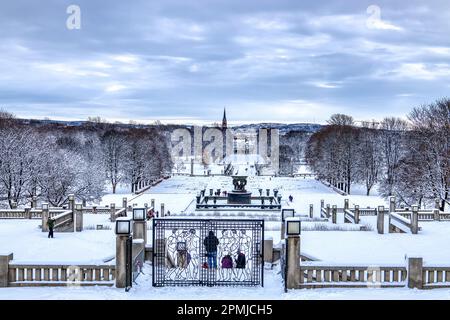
x: 224, y: 120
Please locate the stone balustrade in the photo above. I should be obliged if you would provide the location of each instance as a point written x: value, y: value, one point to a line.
x: 59, y: 275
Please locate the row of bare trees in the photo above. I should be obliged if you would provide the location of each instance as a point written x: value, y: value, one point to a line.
x: 408, y: 158
x: 51, y: 162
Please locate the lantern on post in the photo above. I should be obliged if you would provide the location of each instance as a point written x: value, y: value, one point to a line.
x: 287, y: 213
x: 139, y: 214
x: 293, y: 227
x: 123, y: 226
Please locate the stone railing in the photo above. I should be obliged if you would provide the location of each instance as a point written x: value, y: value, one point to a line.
x: 325, y: 212
x: 335, y: 189
x: 425, y: 215
x: 398, y: 223
x: 304, y: 175
x: 117, y: 213
x: 416, y: 275
x: 64, y: 221
x: 319, y: 275
x: 436, y: 277
x: 23, y: 275
x: 143, y: 185
x: 351, y: 216
x: 367, y: 211
x: 96, y: 210
x: 27, y: 213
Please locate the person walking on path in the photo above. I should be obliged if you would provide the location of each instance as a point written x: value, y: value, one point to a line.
x: 291, y: 198
x: 211, y: 242
x: 51, y: 225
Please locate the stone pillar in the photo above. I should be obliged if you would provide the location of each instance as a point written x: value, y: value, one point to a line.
x: 71, y: 202
x: 334, y: 214
x: 283, y: 230
x: 162, y: 210
x: 328, y: 211
x: 268, y: 249
x: 415, y: 220
x: 380, y: 220
x: 436, y: 215
x: 112, y: 212
x: 45, y: 216
x: 415, y: 272
x: 152, y: 204
x: 27, y: 213
x: 322, y: 204
x: 293, y: 262
x: 124, y: 202
x: 78, y: 215
x: 437, y: 204
x: 346, y: 204
x: 392, y: 204
x: 4, y: 268
x: 121, y: 257
x: 356, y: 214
x: 311, y: 211
x: 34, y: 202
x: 192, y: 167
x: 140, y: 230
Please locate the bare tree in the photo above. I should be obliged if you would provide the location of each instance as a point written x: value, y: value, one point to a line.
x: 392, y: 142
x: 431, y: 124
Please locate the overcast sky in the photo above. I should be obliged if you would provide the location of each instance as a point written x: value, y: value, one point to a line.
x: 284, y: 61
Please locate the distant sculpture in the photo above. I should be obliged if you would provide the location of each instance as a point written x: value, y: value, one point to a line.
x: 239, y: 195
x: 239, y: 183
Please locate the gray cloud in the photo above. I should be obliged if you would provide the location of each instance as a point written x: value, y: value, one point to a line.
x: 265, y: 60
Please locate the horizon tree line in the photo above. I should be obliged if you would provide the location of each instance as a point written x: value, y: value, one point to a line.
x: 409, y: 159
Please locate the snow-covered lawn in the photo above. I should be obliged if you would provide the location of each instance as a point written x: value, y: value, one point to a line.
x: 29, y: 243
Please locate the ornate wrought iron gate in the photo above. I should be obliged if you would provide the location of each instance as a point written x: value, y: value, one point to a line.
x: 180, y: 257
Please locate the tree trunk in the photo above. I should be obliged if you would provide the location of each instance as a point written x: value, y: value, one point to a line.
x: 444, y: 201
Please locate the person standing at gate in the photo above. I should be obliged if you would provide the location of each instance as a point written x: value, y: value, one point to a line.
x: 211, y: 242
x: 51, y: 225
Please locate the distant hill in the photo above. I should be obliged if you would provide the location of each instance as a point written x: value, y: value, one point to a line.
x: 284, y: 128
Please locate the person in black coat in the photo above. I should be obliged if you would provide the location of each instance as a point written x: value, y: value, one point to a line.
x: 51, y: 225
x: 211, y: 242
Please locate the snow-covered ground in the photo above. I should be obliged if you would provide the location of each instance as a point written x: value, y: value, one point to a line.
x: 272, y: 290
x: 28, y: 243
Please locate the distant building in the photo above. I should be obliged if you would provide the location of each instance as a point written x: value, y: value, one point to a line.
x: 224, y: 120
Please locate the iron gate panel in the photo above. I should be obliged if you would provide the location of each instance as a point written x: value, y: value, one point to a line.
x: 180, y: 257
x: 128, y: 263
x: 283, y: 264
